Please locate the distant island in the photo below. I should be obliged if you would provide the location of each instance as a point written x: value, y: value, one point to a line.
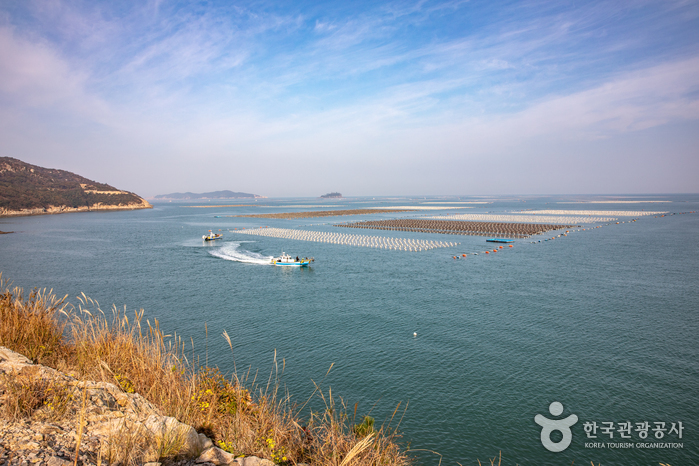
x: 27, y: 189
x: 331, y: 196
x: 212, y: 195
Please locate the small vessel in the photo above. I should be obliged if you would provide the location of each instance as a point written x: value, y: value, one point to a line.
x: 212, y: 236
x: 286, y: 260
x: 499, y: 240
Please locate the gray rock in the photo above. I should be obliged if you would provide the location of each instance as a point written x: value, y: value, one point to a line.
x: 107, y: 429
x: 205, y: 442
x: 216, y: 456
x: 172, y: 430
x: 25, y: 445
x: 9, y: 357
x: 110, y: 414
x: 56, y: 461
x: 255, y: 461
x: 50, y: 429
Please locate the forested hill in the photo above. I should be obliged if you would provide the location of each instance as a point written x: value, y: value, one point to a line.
x: 27, y: 189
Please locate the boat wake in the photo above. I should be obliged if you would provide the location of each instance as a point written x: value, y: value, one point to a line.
x: 231, y: 252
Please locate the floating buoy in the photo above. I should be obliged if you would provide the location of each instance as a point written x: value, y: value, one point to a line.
x: 510, y: 245
x: 487, y: 252
x: 500, y: 247
x: 414, y: 334
x: 463, y: 255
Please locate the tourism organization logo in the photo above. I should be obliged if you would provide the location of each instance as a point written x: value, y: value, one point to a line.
x: 548, y: 426
x: 623, y: 430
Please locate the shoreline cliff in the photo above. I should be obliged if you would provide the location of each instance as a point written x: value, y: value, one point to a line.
x: 27, y: 189
x: 64, y: 209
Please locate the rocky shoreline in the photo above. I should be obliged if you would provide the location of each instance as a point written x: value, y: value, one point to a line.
x: 65, y: 209
x: 92, y: 423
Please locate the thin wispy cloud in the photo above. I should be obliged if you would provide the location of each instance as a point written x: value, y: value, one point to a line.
x: 275, y: 83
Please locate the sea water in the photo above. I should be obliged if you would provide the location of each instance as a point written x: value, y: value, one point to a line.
x: 602, y: 321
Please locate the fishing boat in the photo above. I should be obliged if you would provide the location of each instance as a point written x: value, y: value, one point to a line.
x: 286, y: 260
x: 500, y: 240
x: 212, y: 236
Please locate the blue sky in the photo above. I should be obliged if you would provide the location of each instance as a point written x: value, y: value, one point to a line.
x: 365, y: 98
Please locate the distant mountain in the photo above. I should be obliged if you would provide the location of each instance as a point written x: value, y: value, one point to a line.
x: 27, y: 189
x: 331, y: 196
x: 213, y: 195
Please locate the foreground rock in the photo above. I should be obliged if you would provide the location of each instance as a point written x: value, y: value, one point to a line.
x: 116, y: 426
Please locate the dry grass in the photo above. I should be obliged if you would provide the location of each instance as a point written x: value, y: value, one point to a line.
x: 22, y: 396
x: 239, y: 415
x: 339, y: 440
x: 32, y: 326
x: 28, y: 394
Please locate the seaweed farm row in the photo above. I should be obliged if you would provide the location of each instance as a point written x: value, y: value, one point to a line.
x: 453, y: 227
x: 381, y: 242
x: 611, y: 213
x: 525, y: 218
x: 324, y: 213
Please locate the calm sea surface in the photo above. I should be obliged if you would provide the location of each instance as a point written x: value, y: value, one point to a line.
x: 604, y: 321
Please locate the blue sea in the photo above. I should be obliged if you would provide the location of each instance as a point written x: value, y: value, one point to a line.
x: 603, y: 321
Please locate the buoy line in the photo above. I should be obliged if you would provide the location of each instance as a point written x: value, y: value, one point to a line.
x: 381, y: 242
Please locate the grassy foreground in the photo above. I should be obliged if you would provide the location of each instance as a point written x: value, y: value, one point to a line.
x: 240, y: 416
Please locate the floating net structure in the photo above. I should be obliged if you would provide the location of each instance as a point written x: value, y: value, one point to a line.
x: 610, y: 213
x: 381, y: 242
x: 526, y: 218
x: 327, y: 213
x: 454, y: 227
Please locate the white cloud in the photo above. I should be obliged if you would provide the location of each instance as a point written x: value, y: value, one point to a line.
x: 633, y: 101
x: 35, y: 80
x: 201, y: 89
x: 33, y: 74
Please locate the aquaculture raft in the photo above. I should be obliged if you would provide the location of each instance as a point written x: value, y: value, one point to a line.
x: 453, y: 227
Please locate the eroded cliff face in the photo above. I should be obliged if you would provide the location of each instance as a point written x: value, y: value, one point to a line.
x: 65, y: 209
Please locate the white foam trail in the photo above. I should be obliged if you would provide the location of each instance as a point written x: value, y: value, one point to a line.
x: 231, y: 252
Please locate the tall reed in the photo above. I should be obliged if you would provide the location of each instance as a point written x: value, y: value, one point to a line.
x: 240, y: 415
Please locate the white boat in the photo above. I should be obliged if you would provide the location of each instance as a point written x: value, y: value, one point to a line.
x: 212, y: 236
x: 286, y: 260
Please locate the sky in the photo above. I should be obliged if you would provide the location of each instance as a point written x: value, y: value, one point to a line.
x: 282, y: 98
